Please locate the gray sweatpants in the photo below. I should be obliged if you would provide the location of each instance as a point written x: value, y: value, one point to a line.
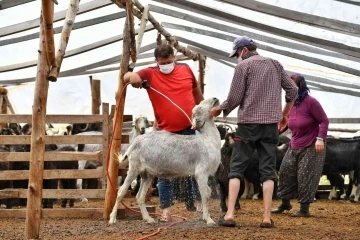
x: 300, y: 173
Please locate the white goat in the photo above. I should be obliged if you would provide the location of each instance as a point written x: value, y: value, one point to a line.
x: 153, y: 154
x: 138, y: 127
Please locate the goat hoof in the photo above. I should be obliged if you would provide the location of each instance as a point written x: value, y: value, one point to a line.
x: 112, y: 219
x: 150, y: 220
x: 210, y: 222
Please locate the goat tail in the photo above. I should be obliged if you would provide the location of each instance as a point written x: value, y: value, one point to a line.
x: 123, y: 160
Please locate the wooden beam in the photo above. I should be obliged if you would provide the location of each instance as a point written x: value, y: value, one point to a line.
x: 130, y: 16
x: 349, y: 2
x: 202, y: 64
x: 215, y: 13
x: 27, y: 25
x: 55, y: 193
x: 143, y: 21
x: 48, y: 16
x: 74, y: 71
x: 298, y: 56
x: 218, y: 54
x: 64, y: 39
x: 117, y: 128
x: 163, y: 31
x: 139, y: 64
x: 81, y: 118
x: 59, y: 139
x: 90, y: 213
x: 255, y: 36
x: 52, y: 156
x: 95, y: 95
x: 77, y: 25
x: 106, y: 139
x: 71, y: 53
x: 9, y: 105
x: 331, y: 120
x: 4, y: 4
x: 33, y: 209
x: 53, y: 174
x: 306, y: 18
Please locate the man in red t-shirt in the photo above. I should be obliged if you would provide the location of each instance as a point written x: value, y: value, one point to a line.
x: 177, y: 82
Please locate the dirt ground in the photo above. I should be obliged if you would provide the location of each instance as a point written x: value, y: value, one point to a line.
x: 330, y: 220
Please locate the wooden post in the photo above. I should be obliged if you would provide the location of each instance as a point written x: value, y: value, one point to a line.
x: 95, y: 96
x: 117, y: 131
x: 64, y: 39
x: 130, y: 17
x: 157, y: 26
x: 105, y: 132
x: 48, y: 17
x: 144, y: 19
x: 3, y: 107
x: 202, y: 65
x: 9, y: 105
x: 33, y: 208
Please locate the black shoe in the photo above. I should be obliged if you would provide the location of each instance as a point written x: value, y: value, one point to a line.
x: 300, y: 214
x: 281, y: 209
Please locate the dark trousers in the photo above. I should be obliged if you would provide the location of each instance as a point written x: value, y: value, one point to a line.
x: 248, y: 137
x: 300, y: 174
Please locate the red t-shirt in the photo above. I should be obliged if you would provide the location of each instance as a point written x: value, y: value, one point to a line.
x: 178, y: 86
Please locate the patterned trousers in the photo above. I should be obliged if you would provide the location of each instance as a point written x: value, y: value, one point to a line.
x: 300, y: 174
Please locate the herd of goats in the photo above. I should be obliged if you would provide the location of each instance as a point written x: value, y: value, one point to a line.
x: 341, y: 159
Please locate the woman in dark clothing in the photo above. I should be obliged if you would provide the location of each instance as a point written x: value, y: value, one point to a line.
x: 303, y: 163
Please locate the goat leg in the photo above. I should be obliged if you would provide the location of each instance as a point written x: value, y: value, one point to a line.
x: 121, y: 193
x: 202, y: 181
x: 141, y: 196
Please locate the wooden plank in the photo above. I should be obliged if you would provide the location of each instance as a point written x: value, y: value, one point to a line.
x: 81, y: 118
x: 255, y: 36
x: 53, y: 174
x: 4, y: 4
x: 72, y: 52
x: 78, y: 25
x: 349, y: 2
x: 313, y: 60
x: 106, y: 135
x: 91, y: 213
x: 52, y: 156
x: 64, y: 39
x: 215, y: 13
x: 55, y: 193
x: 59, y: 139
x: 312, y: 80
x: 331, y: 120
x: 71, y: 72
x: 58, y: 193
x: 83, y: 8
x: 312, y: 20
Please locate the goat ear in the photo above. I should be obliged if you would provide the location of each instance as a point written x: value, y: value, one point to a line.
x: 133, y: 125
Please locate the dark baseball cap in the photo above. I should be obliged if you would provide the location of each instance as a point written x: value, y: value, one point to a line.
x: 240, y: 42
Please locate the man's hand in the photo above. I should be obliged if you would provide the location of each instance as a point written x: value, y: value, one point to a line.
x: 134, y: 79
x: 283, y: 123
x: 319, y: 146
x: 215, y: 112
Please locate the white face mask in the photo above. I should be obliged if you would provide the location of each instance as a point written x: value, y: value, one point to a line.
x: 167, y: 68
x: 239, y: 59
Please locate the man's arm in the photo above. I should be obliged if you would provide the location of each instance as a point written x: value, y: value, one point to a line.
x: 198, y: 96
x: 133, y: 78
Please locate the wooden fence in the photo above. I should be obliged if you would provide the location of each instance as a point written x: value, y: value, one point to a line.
x: 104, y: 138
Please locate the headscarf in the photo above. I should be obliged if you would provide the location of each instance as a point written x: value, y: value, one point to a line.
x: 303, y: 90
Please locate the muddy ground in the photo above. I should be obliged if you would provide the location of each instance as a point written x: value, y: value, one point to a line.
x: 330, y: 220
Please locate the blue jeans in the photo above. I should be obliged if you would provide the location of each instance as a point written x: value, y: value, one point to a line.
x: 165, y: 186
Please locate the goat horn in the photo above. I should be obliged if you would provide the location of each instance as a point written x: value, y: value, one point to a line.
x: 85, y: 128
